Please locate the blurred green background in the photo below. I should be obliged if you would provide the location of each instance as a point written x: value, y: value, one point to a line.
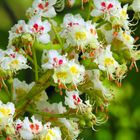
x: 124, y: 111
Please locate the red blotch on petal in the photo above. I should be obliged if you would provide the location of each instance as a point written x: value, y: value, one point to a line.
x: 36, y: 26
x: 40, y: 6
x: 103, y: 4
x: 47, y: 3
x: 60, y: 62
x: 74, y: 97
x: 110, y: 6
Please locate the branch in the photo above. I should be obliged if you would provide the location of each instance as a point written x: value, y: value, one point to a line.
x: 40, y: 85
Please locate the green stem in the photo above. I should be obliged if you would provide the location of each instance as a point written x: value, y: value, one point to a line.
x: 48, y: 46
x: 6, y: 89
x: 126, y: 1
x: 55, y: 31
x: 35, y: 63
x: 89, y: 9
x: 101, y: 23
x: 32, y: 61
x: 48, y: 115
x: 39, y: 86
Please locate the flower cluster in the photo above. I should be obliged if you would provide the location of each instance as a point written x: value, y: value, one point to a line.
x: 77, y: 65
x: 79, y: 33
x: 65, y: 71
x: 25, y: 129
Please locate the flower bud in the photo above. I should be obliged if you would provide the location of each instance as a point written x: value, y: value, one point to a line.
x: 89, y: 123
x: 82, y: 123
x: 27, y: 39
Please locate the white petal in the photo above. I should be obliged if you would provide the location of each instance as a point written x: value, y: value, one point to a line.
x: 50, y: 13
x: 45, y: 38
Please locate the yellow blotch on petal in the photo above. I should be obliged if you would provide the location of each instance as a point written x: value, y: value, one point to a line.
x: 50, y: 134
x: 5, y: 111
x: 61, y: 75
x: 124, y: 13
x: 80, y: 35
x: 15, y: 62
x: 126, y: 36
x: 108, y: 61
x: 74, y: 70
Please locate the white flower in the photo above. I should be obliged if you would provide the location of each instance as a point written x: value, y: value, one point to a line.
x: 69, y: 73
x: 62, y: 75
x: 106, y: 62
x: 51, y: 134
x: 136, y: 5
x: 126, y: 38
x: 17, y: 30
x: 43, y: 8
x: 106, y: 8
x: 14, y: 61
x: 6, y: 113
x: 79, y: 33
x: 40, y: 29
x: 29, y: 130
x: 124, y: 17
x: 52, y: 59
x: 77, y: 72
x: 72, y: 99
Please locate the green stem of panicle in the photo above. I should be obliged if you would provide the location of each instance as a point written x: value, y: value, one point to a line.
x: 90, y: 4
x: 48, y: 115
x: 6, y: 88
x: 40, y: 85
x: 56, y: 33
x: 35, y: 63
